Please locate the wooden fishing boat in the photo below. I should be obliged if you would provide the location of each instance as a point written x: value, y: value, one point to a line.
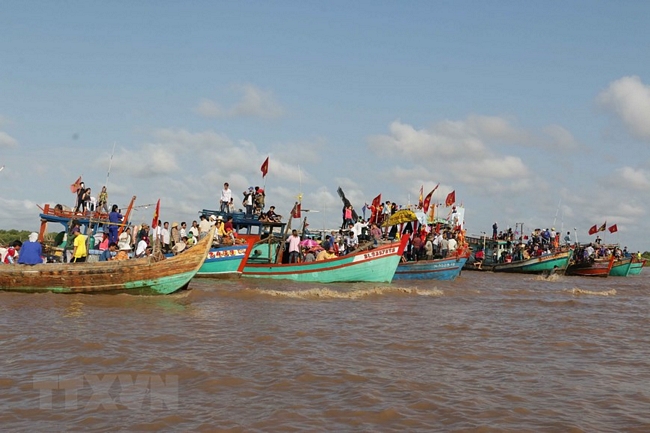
x: 135, y: 276
x: 375, y: 265
x: 556, y: 262
x: 637, y: 266
x: 621, y: 267
x: 447, y: 268
x: 598, y: 267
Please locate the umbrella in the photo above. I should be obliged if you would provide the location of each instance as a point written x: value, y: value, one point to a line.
x: 308, y: 243
x: 399, y: 217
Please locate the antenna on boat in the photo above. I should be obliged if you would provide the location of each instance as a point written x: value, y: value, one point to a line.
x: 110, y: 162
x: 556, y: 211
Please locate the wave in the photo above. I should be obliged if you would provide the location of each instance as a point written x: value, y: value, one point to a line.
x: 578, y: 291
x: 328, y: 293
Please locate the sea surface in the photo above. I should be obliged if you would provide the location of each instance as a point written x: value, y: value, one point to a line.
x: 487, y: 352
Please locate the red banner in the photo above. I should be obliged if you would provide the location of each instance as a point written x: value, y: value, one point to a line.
x: 593, y: 230
x: 451, y: 198
x: 76, y: 185
x: 376, y: 201
x: 295, y: 212
x: 427, y: 199
x: 613, y: 229
x: 156, y: 216
x: 265, y: 167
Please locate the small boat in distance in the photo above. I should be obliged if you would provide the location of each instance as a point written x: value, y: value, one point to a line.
x: 555, y: 262
x: 586, y: 265
x: 144, y: 276
x: 621, y: 267
x: 637, y: 266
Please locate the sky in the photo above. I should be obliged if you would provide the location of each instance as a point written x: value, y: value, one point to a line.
x: 532, y: 112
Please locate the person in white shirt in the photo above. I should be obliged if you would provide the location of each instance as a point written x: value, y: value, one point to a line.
x: 141, y: 249
x: 165, y: 236
x: 358, y: 227
x: 204, y: 227
x: 351, y: 241
x: 183, y: 232
x: 294, y: 246
x: 452, y: 244
x: 226, y: 195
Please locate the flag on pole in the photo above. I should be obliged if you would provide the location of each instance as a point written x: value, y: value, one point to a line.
x: 76, y: 185
x: 265, y: 167
x: 295, y: 212
x: 421, y: 201
x: 376, y: 201
x: 613, y: 229
x: 593, y: 230
x: 603, y: 227
x: 156, y: 216
x: 427, y: 199
x: 451, y: 198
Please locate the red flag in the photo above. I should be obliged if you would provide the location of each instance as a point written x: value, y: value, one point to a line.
x: 376, y: 201
x: 156, y: 216
x: 593, y: 230
x: 427, y: 200
x: 613, y: 229
x: 265, y: 167
x: 421, y: 202
x: 295, y: 212
x: 603, y: 227
x: 451, y: 198
x: 76, y: 185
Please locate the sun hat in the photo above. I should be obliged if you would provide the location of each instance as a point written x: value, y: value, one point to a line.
x: 174, y: 224
x: 213, y: 218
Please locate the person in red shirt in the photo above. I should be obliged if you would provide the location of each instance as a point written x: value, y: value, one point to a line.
x: 228, y: 228
x: 12, y: 252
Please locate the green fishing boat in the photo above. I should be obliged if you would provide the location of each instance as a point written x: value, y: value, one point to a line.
x: 376, y: 265
x: 621, y: 267
x: 544, y: 264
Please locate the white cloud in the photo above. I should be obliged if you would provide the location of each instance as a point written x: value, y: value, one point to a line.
x: 629, y: 99
x: 7, y: 141
x: 628, y: 177
x: 561, y: 138
x: 458, y: 151
x: 254, y: 102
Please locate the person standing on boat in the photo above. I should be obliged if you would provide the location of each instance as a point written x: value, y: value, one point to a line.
x: 80, y: 194
x: 294, y: 246
x: 226, y: 195
x: 248, y: 201
x: 204, y: 227
x: 194, y: 229
x: 176, y: 234
x: 165, y: 237
x: 79, y: 253
x: 102, y: 200
x: 495, y: 229
x: 115, y: 218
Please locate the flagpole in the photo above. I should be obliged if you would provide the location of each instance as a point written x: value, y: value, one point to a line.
x: 110, y: 163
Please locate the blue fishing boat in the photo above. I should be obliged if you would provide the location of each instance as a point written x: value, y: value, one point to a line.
x: 436, y: 269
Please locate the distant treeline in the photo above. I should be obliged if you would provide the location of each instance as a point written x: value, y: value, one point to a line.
x: 8, y: 236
